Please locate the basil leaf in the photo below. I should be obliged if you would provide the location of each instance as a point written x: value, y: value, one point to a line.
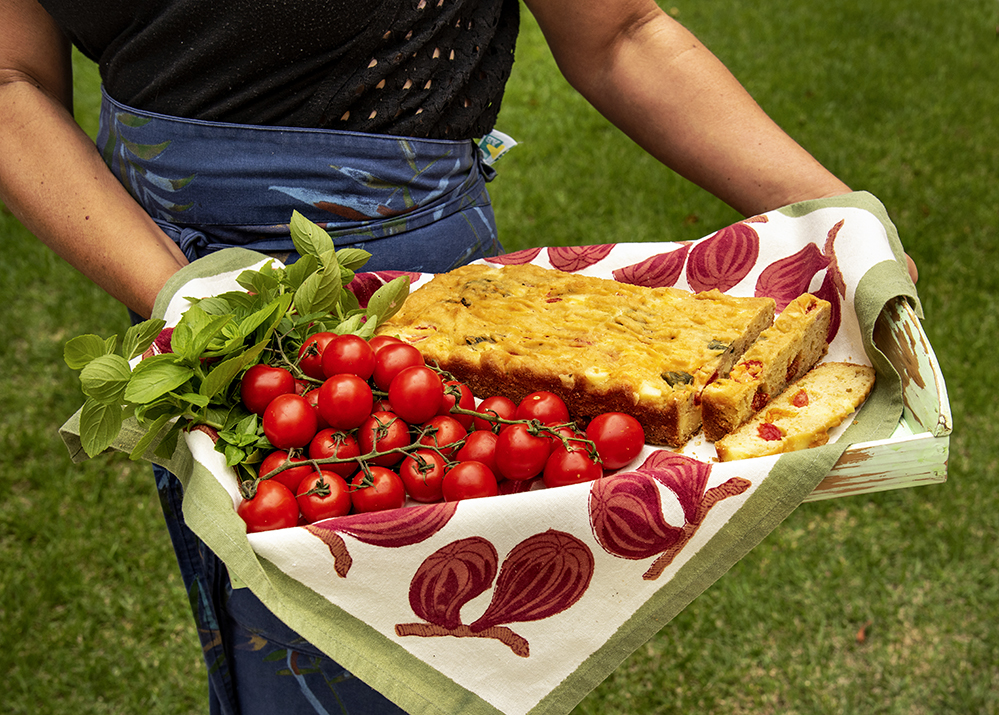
x: 82, y: 349
x: 147, y: 439
x: 301, y: 269
x: 387, y: 300
x: 155, y: 377
x: 352, y: 258
x: 99, y: 425
x: 309, y: 239
x: 140, y: 336
x: 105, y: 378
x: 222, y: 375
x: 319, y: 293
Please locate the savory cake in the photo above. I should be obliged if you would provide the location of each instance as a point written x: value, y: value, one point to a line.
x: 803, y: 414
x: 599, y: 344
x: 787, y: 349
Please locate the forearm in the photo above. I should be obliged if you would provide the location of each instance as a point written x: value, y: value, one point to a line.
x: 54, y: 181
x: 662, y: 87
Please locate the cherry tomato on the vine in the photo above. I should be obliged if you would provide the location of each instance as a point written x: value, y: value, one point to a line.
x: 422, y: 471
x: 313, y: 397
x: 262, y: 383
x: 480, y: 446
x: 546, y: 407
x: 416, y: 393
x: 310, y: 355
x: 443, y: 432
x: 345, y: 401
x: 392, y: 359
x: 619, y: 438
x: 469, y: 480
x: 323, y: 496
x: 520, y: 454
x: 377, y: 490
x: 570, y: 466
x: 291, y: 476
x: 272, y: 507
x: 466, y: 401
x: 380, y: 341
x: 497, y: 406
x: 333, y: 444
x: 289, y: 421
x: 381, y: 432
x: 348, y: 354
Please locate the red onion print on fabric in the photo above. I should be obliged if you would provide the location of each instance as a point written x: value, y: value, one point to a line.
x: 575, y: 258
x: 393, y: 528
x: 626, y: 511
x: 364, y: 285
x: 786, y: 279
x: 516, y: 258
x: 542, y: 576
x: 659, y: 271
x: 722, y: 261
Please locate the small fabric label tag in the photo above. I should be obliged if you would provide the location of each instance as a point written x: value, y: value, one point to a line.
x: 494, y: 145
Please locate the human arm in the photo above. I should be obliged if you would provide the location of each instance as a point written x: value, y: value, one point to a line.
x: 52, y: 177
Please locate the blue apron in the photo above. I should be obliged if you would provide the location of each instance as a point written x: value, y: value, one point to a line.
x: 415, y: 204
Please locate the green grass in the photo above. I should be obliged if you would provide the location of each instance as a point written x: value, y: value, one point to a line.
x: 898, y: 98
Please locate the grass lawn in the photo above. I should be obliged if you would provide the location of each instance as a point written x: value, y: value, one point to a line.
x: 899, y: 98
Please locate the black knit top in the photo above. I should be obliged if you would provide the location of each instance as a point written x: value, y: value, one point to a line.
x: 427, y: 68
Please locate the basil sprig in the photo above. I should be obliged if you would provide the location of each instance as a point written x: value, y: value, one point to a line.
x: 194, y: 380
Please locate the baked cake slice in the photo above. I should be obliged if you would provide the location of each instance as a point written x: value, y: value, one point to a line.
x: 803, y: 414
x: 599, y: 344
x: 787, y: 349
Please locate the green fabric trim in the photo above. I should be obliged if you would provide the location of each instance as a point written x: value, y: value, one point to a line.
x: 228, y: 259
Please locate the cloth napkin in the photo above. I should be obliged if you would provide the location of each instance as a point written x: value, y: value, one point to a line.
x: 522, y: 603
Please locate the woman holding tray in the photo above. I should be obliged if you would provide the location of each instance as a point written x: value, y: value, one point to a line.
x: 220, y: 118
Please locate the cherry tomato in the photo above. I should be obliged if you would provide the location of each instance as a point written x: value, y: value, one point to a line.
x: 443, y: 432
x: 310, y: 355
x: 313, y: 397
x: 520, y: 454
x: 330, y: 443
x: 570, y: 466
x: 345, y: 401
x: 272, y: 507
x: 422, y: 472
x: 261, y: 384
x: 290, y: 421
x: 566, y: 436
x: 619, y: 438
x: 381, y: 432
x: 546, y: 407
x: 323, y: 496
x: 290, y: 477
x: 348, y: 354
x: 378, y: 490
x: 416, y: 393
x: 392, y: 359
x: 498, y: 406
x: 480, y: 446
x: 380, y: 341
x: 466, y: 401
x: 469, y: 480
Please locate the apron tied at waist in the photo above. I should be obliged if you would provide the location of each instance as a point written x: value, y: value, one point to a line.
x: 414, y: 204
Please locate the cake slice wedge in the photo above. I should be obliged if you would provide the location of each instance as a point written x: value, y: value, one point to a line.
x: 789, y: 348
x: 803, y: 414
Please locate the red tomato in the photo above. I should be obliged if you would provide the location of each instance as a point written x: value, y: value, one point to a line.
x: 345, y: 401
x: 443, y: 432
x: 465, y: 400
x: 422, y: 472
x: 546, y: 407
x: 378, y: 490
x: 332, y: 444
x: 290, y: 477
x: 570, y: 466
x: 498, y: 406
x: 272, y: 507
x: 261, y: 384
x: 310, y: 355
x: 480, y: 446
x: 469, y: 480
x: 381, y: 432
x: 392, y: 359
x: 565, y: 437
x: 619, y: 438
x: 323, y: 496
x: 416, y: 393
x: 348, y: 354
x: 313, y: 397
x: 290, y: 421
x: 380, y: 341
x: 519, y: 454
